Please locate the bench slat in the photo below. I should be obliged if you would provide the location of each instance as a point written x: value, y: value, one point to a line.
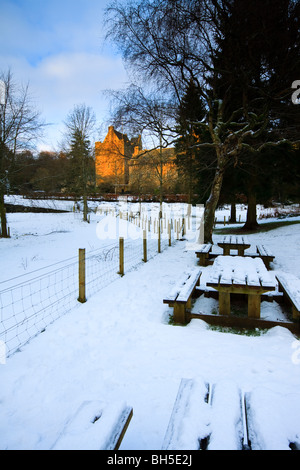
x: 205, y: 248
x: 190, y: 403
x: 291, y: 285
x: 172, y: 296
x: 189, y: 286
x: 234, y: 240
x: 240, y: 271
x: 95, y: 426
x: 264, y: 251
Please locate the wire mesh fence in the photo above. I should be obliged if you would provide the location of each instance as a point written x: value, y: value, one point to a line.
x: 101, y: 268
x: 29, y: 306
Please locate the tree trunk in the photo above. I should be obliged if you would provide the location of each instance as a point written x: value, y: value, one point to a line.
x: 211, y: 205
x: 251, y: 222
x: 233, y: 213
x: 85, y: 208
x: 161, y: 185
x: 4, y: 231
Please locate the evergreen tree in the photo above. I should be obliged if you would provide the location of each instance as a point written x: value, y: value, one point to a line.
x: 80, y: 124
x: 80, y: 168
x: 256, y: 47
x: 192, y: 161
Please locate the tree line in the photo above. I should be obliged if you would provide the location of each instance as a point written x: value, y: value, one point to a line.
x: 212, y: 78
x: 226, y: 67
x: 71, y: 170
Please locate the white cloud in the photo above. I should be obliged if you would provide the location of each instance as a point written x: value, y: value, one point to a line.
x: 61, y: 81
x: 56, y: 46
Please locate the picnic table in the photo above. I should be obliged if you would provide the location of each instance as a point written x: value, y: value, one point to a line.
x: 234, y: 242
x: 240, y: 275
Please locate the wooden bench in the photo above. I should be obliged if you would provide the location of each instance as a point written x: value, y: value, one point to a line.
x: 192, y: 395
x: 233, y: 242
x: 240, y: 275
x: 181, y: 295
x: 95, y: 426
x: 222, y: 416
x: 203, y: 253
x: 265, y: 254
x: 203, y: 417
x: 290, y: 286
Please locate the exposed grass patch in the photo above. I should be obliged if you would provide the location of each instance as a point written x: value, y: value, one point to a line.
x: 238, y: 331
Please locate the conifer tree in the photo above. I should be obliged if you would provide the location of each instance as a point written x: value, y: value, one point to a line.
x: 79, y: 127
x: 190, y: 159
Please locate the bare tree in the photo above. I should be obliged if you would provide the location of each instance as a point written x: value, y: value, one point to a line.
x: 79, y: 127
x: 172, y: 43
x: 150, y: 114
x: 20, y: 126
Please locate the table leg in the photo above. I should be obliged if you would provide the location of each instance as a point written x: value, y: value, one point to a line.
x: 226, y: 251
x: 224, y: 303
x: 241, y: 251
x: 254, y: 305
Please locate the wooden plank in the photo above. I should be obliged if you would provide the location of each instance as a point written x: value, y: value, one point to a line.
x: 205, y: 248
x: 264, y: 251
x: 189, y: 286
x: 234, y: 241
x: 224, y: 303
x: 290, y: 285
x: 240, y: 271
x: 95, y: 426
x: 225, y: 270
x: 254, y: 305
x: 244, y: 322
x: 191, y: 400
x: 203, y: 253
x: 172, y: 296
x: 179, y: 313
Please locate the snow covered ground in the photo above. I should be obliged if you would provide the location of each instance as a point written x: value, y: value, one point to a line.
x: 119, y: 346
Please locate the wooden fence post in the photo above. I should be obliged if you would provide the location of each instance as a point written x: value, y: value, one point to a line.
x: 81, y: 271
x: 121, y: 256
x: 145, y: 245
x: 169, y: 230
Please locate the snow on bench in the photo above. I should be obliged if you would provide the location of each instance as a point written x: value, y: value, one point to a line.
x: 180, y: 296
x: 273, y: 419
x: 189, y: 422
x: 290, y: 286
x: 207, y: 417
x: 233, y: 242
x: 265, y: 254
x: 221, y: 416
x: 95, y: 426
x: 240, y: 275
x: 240, y: 271
x: 203, y: 253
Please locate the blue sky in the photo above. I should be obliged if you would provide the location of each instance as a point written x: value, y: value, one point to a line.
x: 58, y: 47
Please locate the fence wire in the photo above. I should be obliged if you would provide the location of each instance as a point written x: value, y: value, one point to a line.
x: 27, y: 308
x: 101, y: 268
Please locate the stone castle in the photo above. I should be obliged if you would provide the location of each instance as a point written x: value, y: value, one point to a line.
x: 122, y: 165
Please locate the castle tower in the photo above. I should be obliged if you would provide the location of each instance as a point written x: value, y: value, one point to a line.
x: 112, y: 157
